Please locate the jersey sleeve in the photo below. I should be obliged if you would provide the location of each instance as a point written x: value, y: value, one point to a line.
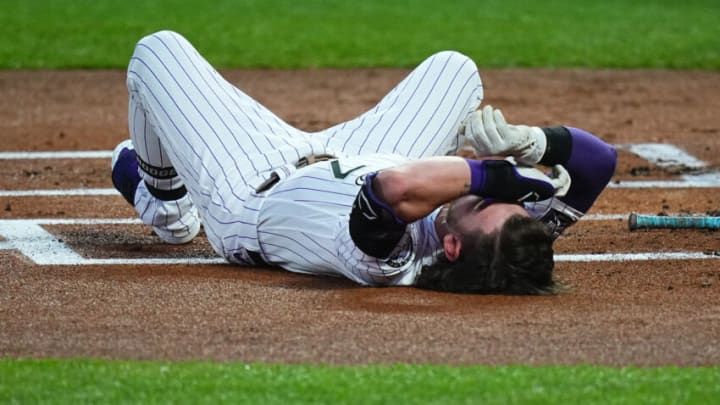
x: 373, y: 225
x: 589, y: 161
x: 400, y: 264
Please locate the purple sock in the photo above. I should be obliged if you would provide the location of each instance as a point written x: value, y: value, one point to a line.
x: 125, y: 175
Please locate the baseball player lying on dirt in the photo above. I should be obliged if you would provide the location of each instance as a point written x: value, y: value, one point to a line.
x: 382, y: 199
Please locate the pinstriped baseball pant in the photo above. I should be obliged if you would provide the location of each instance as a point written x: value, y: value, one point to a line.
x: 184, y: 115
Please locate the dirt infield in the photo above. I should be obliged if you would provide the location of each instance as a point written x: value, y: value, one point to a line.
x: 641, y: 312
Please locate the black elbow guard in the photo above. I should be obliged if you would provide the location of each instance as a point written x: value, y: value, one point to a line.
x: 373, y: 226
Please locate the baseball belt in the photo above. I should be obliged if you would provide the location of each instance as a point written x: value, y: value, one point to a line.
x: 304, y: 161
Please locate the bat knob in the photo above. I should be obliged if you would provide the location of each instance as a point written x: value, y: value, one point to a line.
x: 632, y: 222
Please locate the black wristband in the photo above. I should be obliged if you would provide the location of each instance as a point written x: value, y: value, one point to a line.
x: 559, y: 146
x: 502, y: 182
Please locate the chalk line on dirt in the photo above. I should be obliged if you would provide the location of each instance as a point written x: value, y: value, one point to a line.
x: 43, y: 248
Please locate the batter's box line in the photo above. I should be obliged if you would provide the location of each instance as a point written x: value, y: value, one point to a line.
x: 40, y: 246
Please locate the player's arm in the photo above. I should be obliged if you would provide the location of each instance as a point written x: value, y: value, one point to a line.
x: 589, y: 161
x: 393, y: 198
x: 415, y: 189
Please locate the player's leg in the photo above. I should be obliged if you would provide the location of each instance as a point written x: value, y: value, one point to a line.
x: 216, y: 135
x: 143, y: 173
x: 221, y: 132
x: 158, y: 122
x: 217, y: 139
x: 420, y: 116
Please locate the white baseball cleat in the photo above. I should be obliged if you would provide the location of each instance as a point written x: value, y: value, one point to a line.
x: 174, y: 221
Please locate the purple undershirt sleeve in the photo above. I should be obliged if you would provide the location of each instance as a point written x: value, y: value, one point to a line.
x: 591, y: 166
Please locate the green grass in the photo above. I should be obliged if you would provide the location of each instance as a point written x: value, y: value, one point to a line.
x: 309, y: 33
x: 82, y: 381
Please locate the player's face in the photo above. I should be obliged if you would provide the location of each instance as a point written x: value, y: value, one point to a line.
x: 472, y: 214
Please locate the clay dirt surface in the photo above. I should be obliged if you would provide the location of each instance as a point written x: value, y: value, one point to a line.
x: 648, y: 313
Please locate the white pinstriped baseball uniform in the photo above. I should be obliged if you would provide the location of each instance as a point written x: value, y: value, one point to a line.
x: 223, y: 144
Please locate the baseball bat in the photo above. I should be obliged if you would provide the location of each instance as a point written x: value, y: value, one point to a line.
x: 639, y: 221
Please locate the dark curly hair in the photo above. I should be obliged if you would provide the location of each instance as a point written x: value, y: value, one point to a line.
x: 517, y: 259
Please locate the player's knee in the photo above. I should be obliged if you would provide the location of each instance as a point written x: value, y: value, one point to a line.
x: 450, y: 55
x: 459, y: 62
x: 144, y: 47
x: 455, y: 58
x: 150, y: 44
x: 167, y: 36
x: 147, y: 52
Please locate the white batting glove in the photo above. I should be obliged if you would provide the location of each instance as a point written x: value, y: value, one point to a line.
x: 560, y: 180
x: 489, y: 134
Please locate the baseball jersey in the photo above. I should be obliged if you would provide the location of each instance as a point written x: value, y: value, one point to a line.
x: 302, y: 226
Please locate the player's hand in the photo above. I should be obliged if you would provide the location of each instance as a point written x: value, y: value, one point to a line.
x: 490, y: 135
x: 559, y: 178
x: 503, y: 181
